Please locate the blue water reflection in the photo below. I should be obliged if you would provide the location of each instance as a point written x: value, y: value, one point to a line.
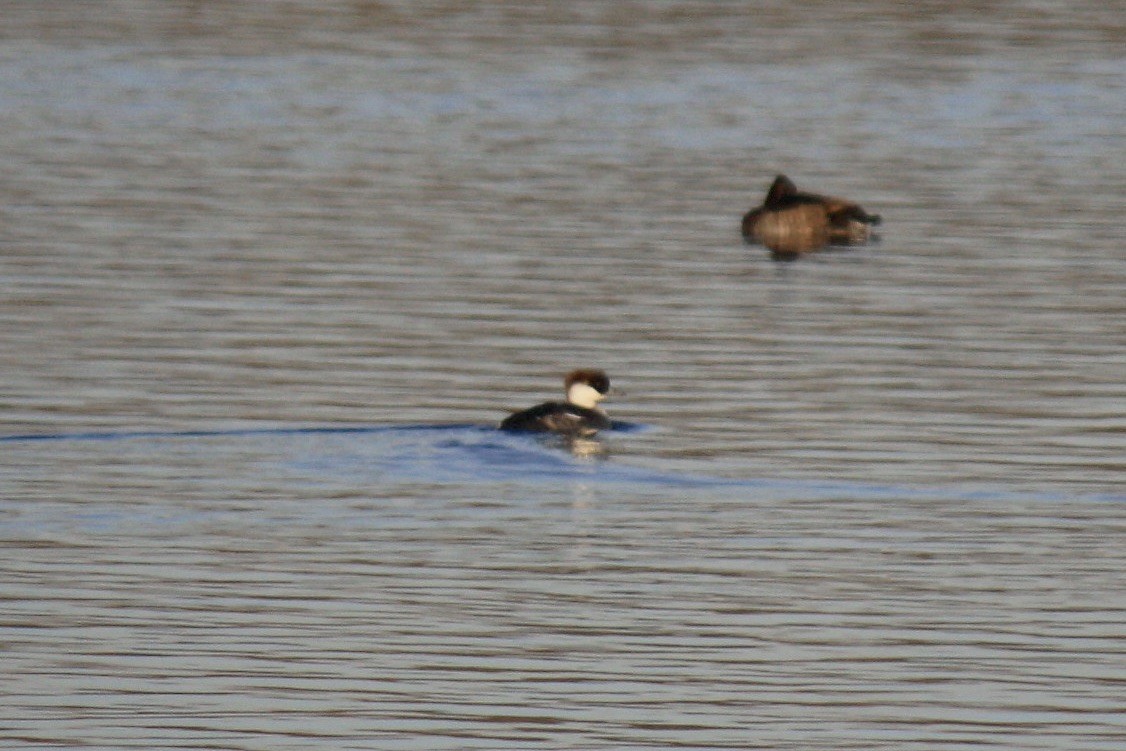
x: 469, y: 454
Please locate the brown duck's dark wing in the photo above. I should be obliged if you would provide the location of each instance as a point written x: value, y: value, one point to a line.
x: 849, y: 223
x: 557, y: 417
x: 841, y: 210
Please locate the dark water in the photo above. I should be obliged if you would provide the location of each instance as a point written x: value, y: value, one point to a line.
x: 270, y: 270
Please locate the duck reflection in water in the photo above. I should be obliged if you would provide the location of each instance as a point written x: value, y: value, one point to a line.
x: 790, y: 222
x: 577, y: 420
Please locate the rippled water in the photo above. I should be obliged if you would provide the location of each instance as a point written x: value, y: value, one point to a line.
x: 272, y: 270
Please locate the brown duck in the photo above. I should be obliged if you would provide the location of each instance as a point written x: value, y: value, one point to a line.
x: 790, y: 222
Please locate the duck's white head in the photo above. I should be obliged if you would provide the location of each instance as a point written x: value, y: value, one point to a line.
x: 586, y: 388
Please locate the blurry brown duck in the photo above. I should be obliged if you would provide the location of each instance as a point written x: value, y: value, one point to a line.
x: 790, y: 222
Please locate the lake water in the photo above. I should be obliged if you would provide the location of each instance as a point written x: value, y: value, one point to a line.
x: 271, y: 271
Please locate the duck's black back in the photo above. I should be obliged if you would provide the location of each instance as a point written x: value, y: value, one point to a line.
x: 557, y: 417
